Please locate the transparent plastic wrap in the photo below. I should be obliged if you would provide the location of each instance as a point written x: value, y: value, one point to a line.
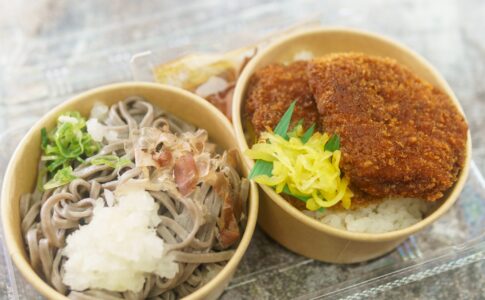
x: 268, y: 270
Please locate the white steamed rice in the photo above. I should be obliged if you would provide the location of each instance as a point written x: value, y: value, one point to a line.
x: 388, y: 215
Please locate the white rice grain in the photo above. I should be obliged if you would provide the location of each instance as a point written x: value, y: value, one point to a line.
x: 389, y: 215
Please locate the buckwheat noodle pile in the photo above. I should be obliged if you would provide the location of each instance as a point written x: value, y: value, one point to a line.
x: 199, y: 229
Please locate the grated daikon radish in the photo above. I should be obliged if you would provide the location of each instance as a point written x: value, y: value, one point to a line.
x: 119, y: 247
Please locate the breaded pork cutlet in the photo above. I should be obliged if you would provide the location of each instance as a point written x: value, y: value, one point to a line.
x: 271, y: 91
x: 400, y: 136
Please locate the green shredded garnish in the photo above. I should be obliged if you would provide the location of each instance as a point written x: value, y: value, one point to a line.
x: 333, y: 143
x: 67, y: 143
x: 261, y: 167
x: 308, y: 134
x: 296, y: 130
x: 112, y: 161
x: 62, y: 177
x: 287, y: 191
x: 283, y: 125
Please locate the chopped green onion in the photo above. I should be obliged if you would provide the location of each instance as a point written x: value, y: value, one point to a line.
x: 68, y: 143
x: 42, y: 171
x: 62, y: 177
x: 43, y: 138
x: 58, y: 163
x: 68, y: 139
x: 89, y: 145
x: 112, y: 161
x: 48, y: 157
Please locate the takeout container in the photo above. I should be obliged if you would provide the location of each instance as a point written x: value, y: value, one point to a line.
x: 21, y: 173
x: 286, y: 224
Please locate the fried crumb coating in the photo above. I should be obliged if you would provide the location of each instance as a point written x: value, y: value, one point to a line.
x: 271, y: 91
x: 400, y: 136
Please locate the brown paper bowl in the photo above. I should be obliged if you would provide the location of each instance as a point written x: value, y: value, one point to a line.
x: 286, y: 224
x: 21, y: 174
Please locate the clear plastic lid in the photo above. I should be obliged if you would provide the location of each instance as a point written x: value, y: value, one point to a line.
x: 134, y: 50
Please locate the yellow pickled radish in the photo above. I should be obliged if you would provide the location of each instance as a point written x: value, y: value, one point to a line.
x: 306, y: 168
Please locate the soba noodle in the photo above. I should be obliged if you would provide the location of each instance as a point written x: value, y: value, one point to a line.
x: 189, y: 224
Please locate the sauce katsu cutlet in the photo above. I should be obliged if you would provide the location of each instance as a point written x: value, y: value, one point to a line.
x: 400, y: 136
x: 271, y: 91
